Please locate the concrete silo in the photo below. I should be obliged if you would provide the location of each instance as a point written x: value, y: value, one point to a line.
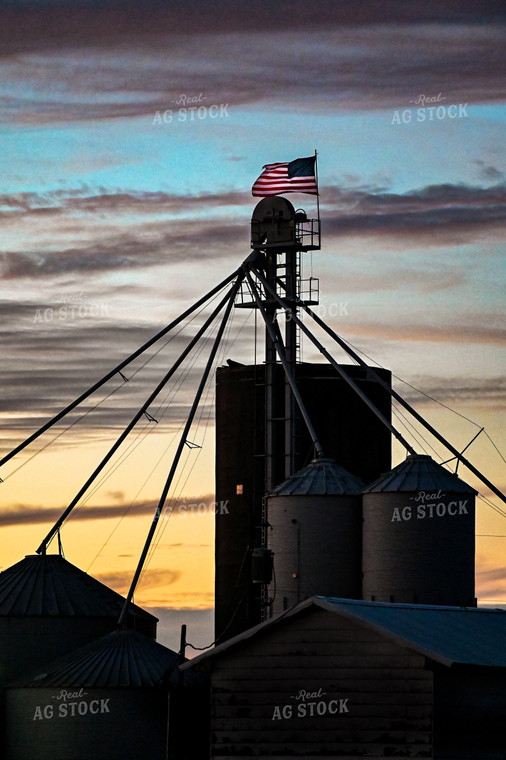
x: 419, y: 536
x: 314, y: 530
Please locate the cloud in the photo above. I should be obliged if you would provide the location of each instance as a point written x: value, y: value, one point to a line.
x: 492, y: 574
x: 490, y: 173
x: 413, y: 332
x: 24, y: 514
x: 89, y: 20
x: 67, y: 357
x: 486, y: 391
x: 109, y: 63
x: 97, y: 234
x: 428, y: 212
x: 140, y: 250
x: 494, y: 594
x: 150, y: 579
x: 116, y: 495
x: 357, y: 278
x: 491, y: 583
x: 25, y: 203
x: 142, y: 227
x: 51, y: 343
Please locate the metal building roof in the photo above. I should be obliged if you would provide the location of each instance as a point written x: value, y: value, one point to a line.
x: 50, y: 585
x: 419, y: 472
x: 466, y: 635
x: 322, y: 477
x: 123, y: 658
x: 463, y: 635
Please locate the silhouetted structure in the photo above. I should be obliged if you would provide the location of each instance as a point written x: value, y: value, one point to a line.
x: 344, y: 679
x: 348, y: 430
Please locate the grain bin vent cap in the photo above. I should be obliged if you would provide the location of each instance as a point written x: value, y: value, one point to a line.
x: 419, y: 472
x: 322, y: 477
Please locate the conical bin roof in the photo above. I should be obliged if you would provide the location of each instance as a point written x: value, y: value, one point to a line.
x: 121, y: 659
x: 321, y: 477
x: 49, y: 585
x: 419, y: 472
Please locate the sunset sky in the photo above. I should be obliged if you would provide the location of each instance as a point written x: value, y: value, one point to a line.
x: 120, y: 207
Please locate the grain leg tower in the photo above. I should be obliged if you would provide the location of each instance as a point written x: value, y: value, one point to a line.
x: 260, y: 437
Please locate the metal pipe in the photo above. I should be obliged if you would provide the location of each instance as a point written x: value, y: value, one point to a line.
x: 114, y: 371
x: 286, y: 366
x: 179, y: 748
x: 43, y: 546
x: 270, y: 377
x: 335, y: 364
x: 291, y: 339
x: 407, y: 406
x: 180, y: 447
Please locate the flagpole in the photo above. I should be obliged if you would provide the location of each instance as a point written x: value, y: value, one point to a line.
x: 317, y: 190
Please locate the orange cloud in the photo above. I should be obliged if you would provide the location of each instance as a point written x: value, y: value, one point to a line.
x: 428, y: 333
x: 120, y: 581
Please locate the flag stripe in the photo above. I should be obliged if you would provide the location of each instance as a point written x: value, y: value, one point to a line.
x: 275, y: 178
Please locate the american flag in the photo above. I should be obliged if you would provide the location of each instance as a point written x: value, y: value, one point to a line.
x: 296, y: 176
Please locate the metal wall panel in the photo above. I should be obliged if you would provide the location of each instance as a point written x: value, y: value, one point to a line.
x: 316, y: 542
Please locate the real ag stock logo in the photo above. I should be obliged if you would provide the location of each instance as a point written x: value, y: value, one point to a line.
x: 430, y: 109
x: 308, y: 704
x: 191, y: 109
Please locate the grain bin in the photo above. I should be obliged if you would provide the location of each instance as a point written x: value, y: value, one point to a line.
x: 418, y: 536
x: 315, y: 522
x: 49, y: 607
x: 111, y: 699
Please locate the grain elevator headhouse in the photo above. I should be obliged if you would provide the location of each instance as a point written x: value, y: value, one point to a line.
x: 276, y: 224
x: 273, y: 223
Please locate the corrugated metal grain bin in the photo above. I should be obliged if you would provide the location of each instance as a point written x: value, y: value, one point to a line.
x: 49, y: 607
x: 418, y: 536
x: 315, y: 525
x: 108, y: 700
